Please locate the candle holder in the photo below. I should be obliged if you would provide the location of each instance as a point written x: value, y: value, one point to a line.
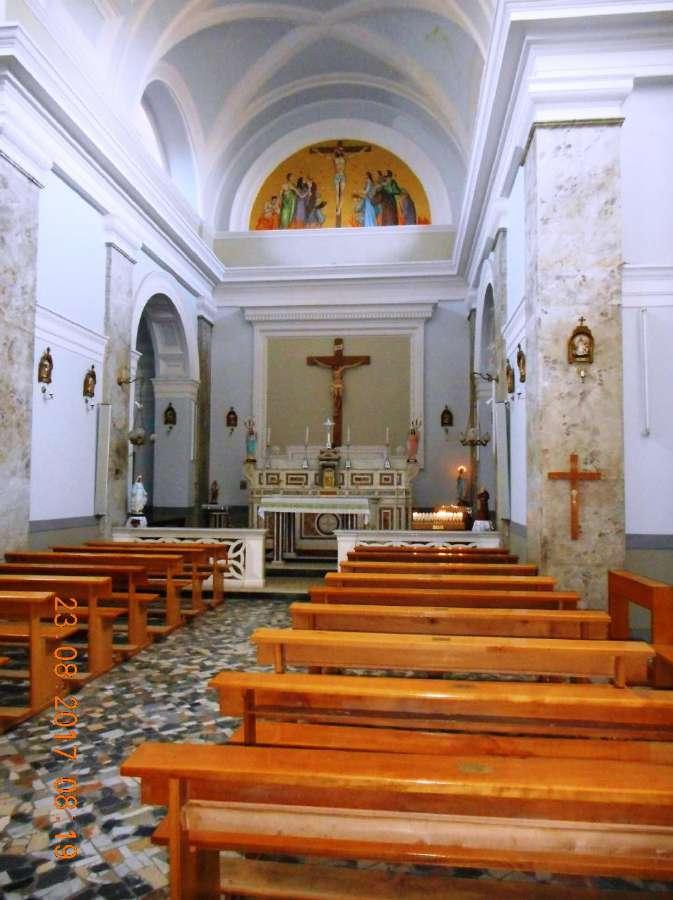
x: 347, y: 461
x: 386, y: 462
x: 306, y: 462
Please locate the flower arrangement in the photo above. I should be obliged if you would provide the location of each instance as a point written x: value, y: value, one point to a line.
x: 415, y: 426
x: 250, y: 429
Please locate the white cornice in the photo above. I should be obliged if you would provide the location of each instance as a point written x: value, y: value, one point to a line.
x: 647, y: 286
x: 19, y: 141
x: 57, y: 331
x: 411, y: 312
x: 123, y: 236
x: 173, y: 388
x: 206, y: 309
x: 97, y: 152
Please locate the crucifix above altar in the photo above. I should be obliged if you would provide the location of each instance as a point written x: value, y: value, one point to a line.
x: 338, y: 363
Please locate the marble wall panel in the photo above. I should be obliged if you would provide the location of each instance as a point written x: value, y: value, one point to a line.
x: 118, y: 314
x: 18, y: 274
x: 573, y: 236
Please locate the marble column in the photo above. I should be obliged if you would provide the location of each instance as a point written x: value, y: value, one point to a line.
x: 202, y: 491
x: 118, y: 318
x: 18, y: 282
x: 573, y: 248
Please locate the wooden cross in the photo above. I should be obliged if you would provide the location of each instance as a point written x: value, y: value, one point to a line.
x: 337, y: 363
x: 574, y: 476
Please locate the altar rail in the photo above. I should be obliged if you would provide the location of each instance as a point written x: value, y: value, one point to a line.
x: 245, y: 548
x: 347, y: 540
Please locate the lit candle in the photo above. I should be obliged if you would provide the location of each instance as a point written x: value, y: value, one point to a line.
x: 348, y: 435
x: 306, y: 438
x: 387, y: 435
x: 268, y: 435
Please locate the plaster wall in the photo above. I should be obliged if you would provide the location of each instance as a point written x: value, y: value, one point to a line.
x: 516, y: 245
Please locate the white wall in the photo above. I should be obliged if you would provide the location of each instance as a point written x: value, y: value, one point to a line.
x: 516, y: 244
x: 70, y: 320
x: 647, y: 173
x: 231, y: 386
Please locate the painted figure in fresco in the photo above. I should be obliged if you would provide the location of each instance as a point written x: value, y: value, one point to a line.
x: 407, y: 208
x: 386, y: 194
x: 302, y: 191
x: 369, y: 210
x: 340, y: 155
x: 288, y: 202
x: 268, y: 221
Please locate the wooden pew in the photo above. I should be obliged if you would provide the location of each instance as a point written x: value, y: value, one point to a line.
x: 623, y: 661
x: 554, y: 815
x: 625, y: 588
x: 441, y: 582
x: 596, y: 711
x: 127, y: 584
x: 495, y: 599
x: 210, y: 555
x: 163, y: 571
x: 570, y: 624
x: 462, y: 549
x: 368, y: 567
x: 26, y: 611
x: 422, y: 556
x: 89, y: 590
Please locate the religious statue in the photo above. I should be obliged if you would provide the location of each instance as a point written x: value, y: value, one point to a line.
x: 461, y: 487
x: 214, y: 492
x: 45, y: 367
x: 521, y: 363
x: 170, y: 416
x: 482, y: 506
x: 509, y: 377
x: 89, y: 386
x: 138, y: 497
x: 250, y: 439
x: 338, y: 363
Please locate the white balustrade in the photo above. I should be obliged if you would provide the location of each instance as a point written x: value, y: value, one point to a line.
x: 348, y: 540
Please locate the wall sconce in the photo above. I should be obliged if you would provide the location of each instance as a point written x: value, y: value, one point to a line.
x: 446, y: 420
x: 472, y: 438
x: 124, y: 377
x: 232, y: 420
x: 170, y: 418
x: 89, y: 388
x: 44, y: 369
x: 581, y: 347
x: 486, y: 376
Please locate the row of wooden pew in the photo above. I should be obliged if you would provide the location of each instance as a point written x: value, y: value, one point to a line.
x: 97, y: 599
x: 569, y: 776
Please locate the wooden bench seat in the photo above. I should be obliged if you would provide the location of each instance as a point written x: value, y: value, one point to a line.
x: 441, y: 582
x: 476, y: 707
x: 569, y: 624
x: 546, y: 814
x: 26, y: 612
x: 625, y: 662
x: 495, y: 599
x: 374, y: 567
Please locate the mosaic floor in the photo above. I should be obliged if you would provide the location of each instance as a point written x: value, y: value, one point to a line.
x: 159, y: 695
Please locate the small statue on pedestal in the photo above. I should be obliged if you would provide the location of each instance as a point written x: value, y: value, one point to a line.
x: 482, y: 513
x: 214, y: 492
x: 138, y: 497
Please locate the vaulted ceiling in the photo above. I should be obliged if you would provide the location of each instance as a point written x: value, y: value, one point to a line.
x: 232, y: 88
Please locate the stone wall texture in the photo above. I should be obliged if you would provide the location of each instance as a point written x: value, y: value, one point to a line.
x: 202, y: 487
x: 573, y: 235
x: 18, y: 261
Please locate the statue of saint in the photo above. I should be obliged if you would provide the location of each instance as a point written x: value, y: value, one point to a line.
x: 89, y: 387
x: 138, y: 497
x: 45, y: 367
x: 483, y: 513
x: 214, y: 492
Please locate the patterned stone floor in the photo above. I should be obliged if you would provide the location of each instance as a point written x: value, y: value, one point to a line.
x: 159, y: 695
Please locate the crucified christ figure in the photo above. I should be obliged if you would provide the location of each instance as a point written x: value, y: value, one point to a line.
x: 338, y: 363
x: 339, y: 155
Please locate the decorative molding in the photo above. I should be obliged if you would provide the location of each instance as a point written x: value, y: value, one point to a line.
x: 647, y: 286
x: 172, y: 388
x: 338, y: 314
x: 514, y: 331
x: 58, y: 331
x: 121, y: 235
x: 281, y: 323
x: 20, y: 142
x: 206, y: 309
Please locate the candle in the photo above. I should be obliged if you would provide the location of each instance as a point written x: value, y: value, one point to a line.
x: 268, y: 435
x: 306, y: 438
x: 348, y: 435
x: 387, y: 435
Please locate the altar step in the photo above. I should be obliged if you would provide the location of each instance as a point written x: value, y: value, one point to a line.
x: 280, y: 586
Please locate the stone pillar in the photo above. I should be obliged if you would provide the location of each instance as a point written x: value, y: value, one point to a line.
x: 18, y: 283
x: 202, y: 486
x: 121, y: 257
x: 573, y: 241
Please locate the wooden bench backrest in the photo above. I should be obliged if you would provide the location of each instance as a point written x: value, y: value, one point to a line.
x: 389, y: 596
x: 425, y: 548
x: 442, y: 582
x: 422, y: 557
x: 437, y: 568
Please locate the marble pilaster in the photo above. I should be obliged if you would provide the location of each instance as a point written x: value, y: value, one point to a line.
x: 202, y: 492
x: 573, y: 245
x: 18, y: 284
x: 118, y: 315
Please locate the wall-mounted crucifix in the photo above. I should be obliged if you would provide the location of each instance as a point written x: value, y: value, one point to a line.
x: 575, y: 476
x: 338, y: 363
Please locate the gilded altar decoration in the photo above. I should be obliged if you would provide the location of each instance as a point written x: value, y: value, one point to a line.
x: 45, y: 367
x: 340, y: 184
x: 509, y: 376
x: 581, y: 344
x: 521, y: 363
